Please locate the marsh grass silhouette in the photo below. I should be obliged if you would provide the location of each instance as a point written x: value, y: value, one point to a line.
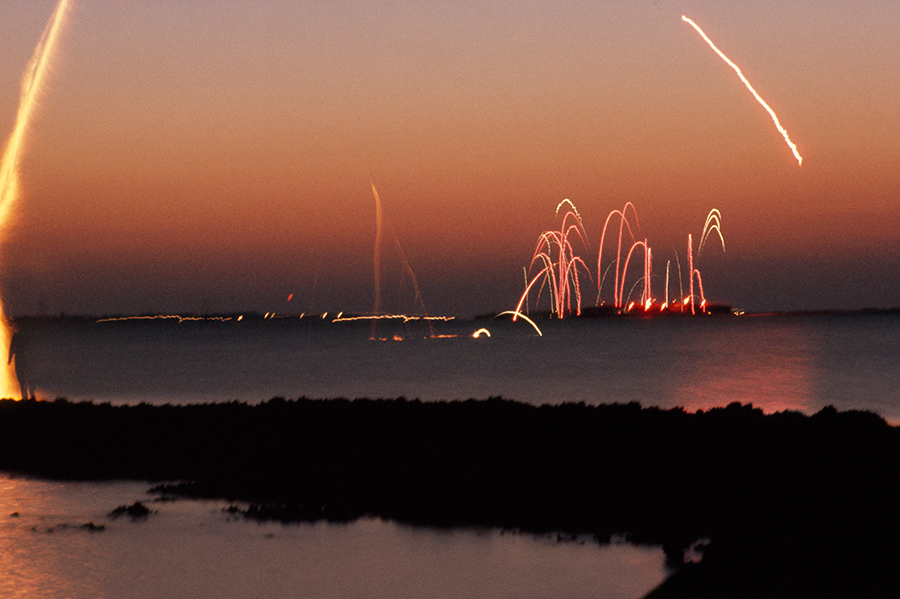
x: 793, y: 505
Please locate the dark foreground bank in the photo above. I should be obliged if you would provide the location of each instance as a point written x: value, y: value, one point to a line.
x: 792, y: 505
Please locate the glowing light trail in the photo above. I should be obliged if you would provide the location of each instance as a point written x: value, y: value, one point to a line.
x: 177, y: 317
x: 561, y: 274
x: 713, y: 223
x: 516, y: 314
x: 32, y: 80
x: 750, y: 87
x: 407, y: 269
x: 379, y: 219
x: 404, y: 317
x: 557, y: 274
x: 623, y: 223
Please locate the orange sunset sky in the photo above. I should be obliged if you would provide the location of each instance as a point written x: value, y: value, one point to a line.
x: 203, y: 156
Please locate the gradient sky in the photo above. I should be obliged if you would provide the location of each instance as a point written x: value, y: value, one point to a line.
x: 215, y: 156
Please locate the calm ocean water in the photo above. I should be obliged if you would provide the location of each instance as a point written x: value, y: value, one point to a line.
x: 776, y: 362
x: 190, y: 549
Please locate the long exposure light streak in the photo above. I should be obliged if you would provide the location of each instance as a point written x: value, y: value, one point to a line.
x: 177, y: 317
x: 32, y: 81
x: 713, y: 223
x: 516, y: 314
x: 402, y: 317
x: 377, y: 258
x: 645, y: 296
x: 623, y: 222
x: 750, y: 87
x: 558, y: 273
x: 406, y: 269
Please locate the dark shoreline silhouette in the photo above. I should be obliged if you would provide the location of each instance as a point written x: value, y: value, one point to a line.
x: 792, y: 505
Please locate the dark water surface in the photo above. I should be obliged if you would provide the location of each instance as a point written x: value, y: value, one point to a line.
x: 776, y: 362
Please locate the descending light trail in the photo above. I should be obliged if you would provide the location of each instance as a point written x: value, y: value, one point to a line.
x: 377, y: 256
x: 750, y: 87
x: 516, y: 314
x: 713, y: 223
x: 32, y: 80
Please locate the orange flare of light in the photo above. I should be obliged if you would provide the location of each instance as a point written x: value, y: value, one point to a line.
x: 32, y: 80
x: 750, y: 87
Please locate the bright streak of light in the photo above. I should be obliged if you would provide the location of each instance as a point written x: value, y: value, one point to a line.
x: 713, y: 223
x: 623, y: 223
x: 32, y: 81
x: 558, y: 275
x: 377, y: 257
x: 177, y: 317
x: 666, y: 303
x: 690, y: 250
x: 404, y: 317
x: 750, y: 87
x: 516, y: 314
x: 400, y: 338
x: 481, y: 333
x: 572, y: 206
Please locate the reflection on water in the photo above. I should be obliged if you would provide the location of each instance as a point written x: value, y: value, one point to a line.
x: 773, y: 367
x: 191, y: 549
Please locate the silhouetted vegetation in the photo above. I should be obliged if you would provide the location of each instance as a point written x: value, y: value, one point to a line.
x: 793, y: 505
x: 135, y: 511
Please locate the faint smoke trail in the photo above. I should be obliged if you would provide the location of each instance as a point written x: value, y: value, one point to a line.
x: 750, y: 87
x: 376, y: 310
x: 32, y: 80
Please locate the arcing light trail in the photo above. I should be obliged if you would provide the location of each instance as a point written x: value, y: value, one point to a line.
x: 713, y: 222
x: 32, y: 81
x: 556, y: 253
x: 750, y: 87
x: 558, y: 266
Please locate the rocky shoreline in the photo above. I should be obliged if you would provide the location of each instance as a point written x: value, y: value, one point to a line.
x: 791, y: 505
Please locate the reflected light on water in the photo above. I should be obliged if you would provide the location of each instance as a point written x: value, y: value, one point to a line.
x: 780, y: 378
x: 192, y: 549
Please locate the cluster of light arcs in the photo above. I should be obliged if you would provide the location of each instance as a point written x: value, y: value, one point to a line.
x: 558, y: 269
